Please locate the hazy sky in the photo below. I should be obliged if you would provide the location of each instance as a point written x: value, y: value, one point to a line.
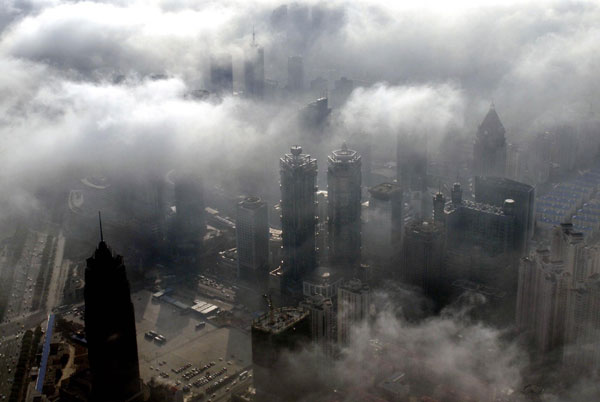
x: 425, y: 66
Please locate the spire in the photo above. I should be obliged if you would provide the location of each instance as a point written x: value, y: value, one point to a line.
x: 253, y: 36
x: 344, y: 147
x: 100, y: 221
x: 492, y: 106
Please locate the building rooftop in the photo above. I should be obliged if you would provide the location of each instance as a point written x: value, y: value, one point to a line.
x: 354, y: 285
x: 385, y: 190
x: 279, y: 319
x: 251, y: 203
x: 297, y: 160
x: 477, y: 206
x: 344, y: 155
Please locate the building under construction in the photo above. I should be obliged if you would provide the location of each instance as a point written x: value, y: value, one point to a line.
x: 279, y: 331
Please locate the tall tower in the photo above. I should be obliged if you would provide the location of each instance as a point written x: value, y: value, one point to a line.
x: 384, y: 225
x: 190, y: 224
x: 110, y: 328
x: 298, y: 214
x: 295, y: 73
x: 489, y: 151
x: 439, y: 202
x: 221, y: 73
x: 254, y: 70
x: 343, y: 194
x: 252, y: 234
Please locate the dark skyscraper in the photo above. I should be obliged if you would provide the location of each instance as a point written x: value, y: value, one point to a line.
x: 252, y: 232
x: 344, y: 190
x: 110, y: 328
x: 489, y: 151
x: 298, y: 214
x: 254, y: 70
x: 295, y: 73
x: 190, y: 225
x: 280, y: 330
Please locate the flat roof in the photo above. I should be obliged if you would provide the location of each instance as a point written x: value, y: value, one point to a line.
x: 280, y: 319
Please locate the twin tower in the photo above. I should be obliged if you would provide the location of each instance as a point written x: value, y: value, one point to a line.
x: 299, y: 213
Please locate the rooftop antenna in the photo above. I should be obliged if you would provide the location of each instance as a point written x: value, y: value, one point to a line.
x: 492, y: 106
x: 253, y: 36
x: 100, y: 220
x: 271, y: 309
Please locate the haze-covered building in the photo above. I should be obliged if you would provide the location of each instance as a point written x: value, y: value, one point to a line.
x: 190, y: 223
x: 295, y: 73
x: 495, y: 190
x: 489, y: 150
x: 279, y: 331
x: 254, y: 70
x: 423, y: 258
x: 383, y: 225
x: 252, y: 235
x: 322, y: 322
x: 354, y: 303
x: 221, y: 74
x: 344, y: 208
x: 298, y: 173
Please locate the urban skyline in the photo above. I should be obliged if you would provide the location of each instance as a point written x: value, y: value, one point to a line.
x: 304, y: 201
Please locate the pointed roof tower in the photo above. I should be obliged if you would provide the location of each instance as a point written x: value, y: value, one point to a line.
x: 491, y: 129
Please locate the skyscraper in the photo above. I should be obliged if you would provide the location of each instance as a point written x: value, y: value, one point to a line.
x: 354, y: 302
x: 411, y: 165
x: 254, y: 70
x: 344, y: 191
x: 295, y: 73
x: 190, y: 224
x: 489, y: 151
x: 110, y: 328
x: 252, y: 234
x: 423, y: 259
x: 280, y: 330
x: 221, y: 73
x: 382, y: 237
x: 298, y: 215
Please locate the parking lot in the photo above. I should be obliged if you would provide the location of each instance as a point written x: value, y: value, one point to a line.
x: 192, y: 356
